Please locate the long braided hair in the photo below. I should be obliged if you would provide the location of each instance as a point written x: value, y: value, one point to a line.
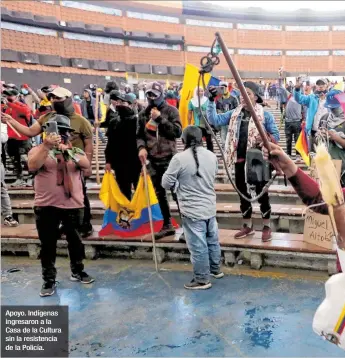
x: 192, y: 138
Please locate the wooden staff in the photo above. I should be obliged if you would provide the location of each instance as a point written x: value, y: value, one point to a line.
x: 97, y: 138
x: 150, y: 216
x: 244, y: 94
x: 14, y: 130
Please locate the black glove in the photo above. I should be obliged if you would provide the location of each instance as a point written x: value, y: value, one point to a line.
x: 212, y: 93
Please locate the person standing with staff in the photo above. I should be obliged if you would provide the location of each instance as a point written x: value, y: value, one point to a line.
x: 242, y: 136
x: 158, y: 127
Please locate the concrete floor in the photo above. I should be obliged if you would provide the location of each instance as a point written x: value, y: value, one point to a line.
x: 132, y: 311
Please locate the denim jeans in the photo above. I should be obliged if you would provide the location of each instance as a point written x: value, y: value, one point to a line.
x: 223, y: 134
x: 203, y: 244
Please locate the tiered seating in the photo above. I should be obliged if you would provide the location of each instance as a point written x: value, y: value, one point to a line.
x: 286, y: 249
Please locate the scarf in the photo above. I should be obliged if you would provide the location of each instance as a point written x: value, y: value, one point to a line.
x: 195, y: 99
x: 335, y: 121
x: 231, y: 143
x: 63, y: 177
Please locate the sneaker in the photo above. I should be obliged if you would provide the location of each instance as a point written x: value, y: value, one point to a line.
x: 182, y: 238
x: 9, y: 221
x: 29, y: 182
x: 48, y: 289
x: 166, y: 230
x: 244, y: 232
x: 18, y: 183
x: 266, y: 234
x: 193, y: 285
x: 82, y: 277
x: 86, y: 231
x: 218, y: 274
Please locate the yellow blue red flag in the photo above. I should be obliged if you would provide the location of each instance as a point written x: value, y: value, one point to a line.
x: 190, y: 81
x: 126, y: 218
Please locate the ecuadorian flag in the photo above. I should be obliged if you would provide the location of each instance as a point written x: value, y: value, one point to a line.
x: 302, y: 146
x: 190, y: 81
x: 126, y: 218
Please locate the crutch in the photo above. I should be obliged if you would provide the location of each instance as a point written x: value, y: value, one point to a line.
x: 150, y: 216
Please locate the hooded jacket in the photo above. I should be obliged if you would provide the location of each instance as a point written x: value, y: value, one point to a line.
x: 83, y: 106
x: 160, y: 144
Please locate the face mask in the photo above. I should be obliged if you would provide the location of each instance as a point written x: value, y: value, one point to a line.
x: 25, y: 91
x: 76, y: 98
x: 65, y: 107
x: 319, y: 93
x: 156, y: 102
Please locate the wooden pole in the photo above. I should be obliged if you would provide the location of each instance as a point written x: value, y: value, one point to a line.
x: 97, y: 137
x: 244, y: 94
x: 150, y: 216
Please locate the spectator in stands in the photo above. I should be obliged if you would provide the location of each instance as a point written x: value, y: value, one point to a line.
x: 88, y: 108
x: 243, y: 135
x: 128, y: 89
x: 308, y: 190
x: 316, y: 107
x: 282, y: 97
x: 59, y: 198
x: 171, y: 97
x: 44, y: 106
x: 6, y: 208
x: 76, y: 98
x: 110, y: 86
x: 158, y: 128
x: 121, y: 152
x: 192, y: 174
x: 293, y: 120
x: 61, y: 99
x: 136, y: 106
x: 197, y: 110
x: 17, y: 145
x: 225, y: 103
x: 333, y: 130
x: 30, y: 97
x: 267, y: 96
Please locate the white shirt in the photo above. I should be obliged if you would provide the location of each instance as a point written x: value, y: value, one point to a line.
x: 321, y: 110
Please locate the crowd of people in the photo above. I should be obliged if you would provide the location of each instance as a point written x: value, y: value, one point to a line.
x: 50, y: 134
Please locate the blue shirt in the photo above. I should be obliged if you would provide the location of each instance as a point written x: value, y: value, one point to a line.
x: 223, y: 119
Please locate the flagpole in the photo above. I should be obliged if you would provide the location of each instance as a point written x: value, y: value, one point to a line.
x: 150, y: 216
x: 97, y: 138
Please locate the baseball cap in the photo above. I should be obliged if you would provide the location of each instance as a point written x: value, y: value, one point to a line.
x: 255, y: 88
x: 155, y: 88
x: 60, y: 92
x: 331, y: 99
x: 10, y: 91
x: 322, y: 81
x: 223, y: 83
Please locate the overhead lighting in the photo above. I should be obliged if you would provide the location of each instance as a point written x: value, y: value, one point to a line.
x: 159, y: 72
x: 116, y: 69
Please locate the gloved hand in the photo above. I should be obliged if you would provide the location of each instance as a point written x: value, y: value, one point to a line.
x: 212, y: 93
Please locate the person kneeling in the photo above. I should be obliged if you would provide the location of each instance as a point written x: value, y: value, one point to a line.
x: 192, y: 174
x: 59, y: 198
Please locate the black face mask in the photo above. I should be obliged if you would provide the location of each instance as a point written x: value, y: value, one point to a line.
x: 319, y: 93
x: 65, y: 107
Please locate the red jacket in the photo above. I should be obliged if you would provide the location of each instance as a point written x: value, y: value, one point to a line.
x: 22, y: 114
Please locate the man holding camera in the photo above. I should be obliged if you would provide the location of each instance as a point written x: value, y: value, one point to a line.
x: 244, y: 136
x: 62, y: 103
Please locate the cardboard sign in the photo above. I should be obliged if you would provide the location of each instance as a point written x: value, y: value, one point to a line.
x: 313, y: 170
x: 318, y: 230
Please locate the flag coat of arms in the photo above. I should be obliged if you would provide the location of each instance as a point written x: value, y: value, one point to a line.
x: 126, y: 218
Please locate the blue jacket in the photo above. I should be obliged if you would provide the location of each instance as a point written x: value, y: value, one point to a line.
x: 223, y: 119
x: 311, y: 101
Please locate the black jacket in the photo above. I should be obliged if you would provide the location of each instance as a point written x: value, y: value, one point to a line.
x: 121, y: 150
x: 159, y: 144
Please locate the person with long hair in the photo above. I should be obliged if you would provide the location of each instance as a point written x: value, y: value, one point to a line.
x: 191, y: 174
